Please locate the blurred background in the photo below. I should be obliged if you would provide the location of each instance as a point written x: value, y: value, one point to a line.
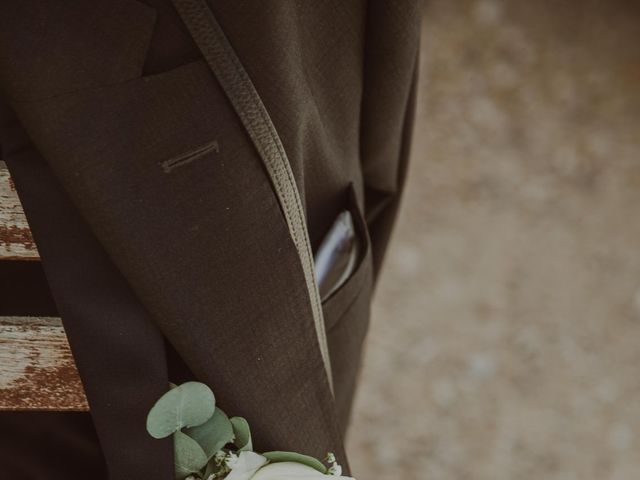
x: 505, y: 336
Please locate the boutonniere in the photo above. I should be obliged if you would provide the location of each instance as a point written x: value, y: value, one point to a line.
x: 208, y: 445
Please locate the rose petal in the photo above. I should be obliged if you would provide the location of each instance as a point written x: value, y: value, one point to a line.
x: 292, y: 471
x: 247, y: 464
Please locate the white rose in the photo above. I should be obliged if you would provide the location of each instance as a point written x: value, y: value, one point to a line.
x: 244, y: 466
x: 292, y: 471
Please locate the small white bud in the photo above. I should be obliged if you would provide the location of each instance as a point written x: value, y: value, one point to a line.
x: 231, y: 459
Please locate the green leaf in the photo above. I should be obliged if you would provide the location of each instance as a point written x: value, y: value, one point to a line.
x: 242, y: 433
x: 187, y: 405
x: 188, y: 455
x: 275, y: 457
x: 214, y: 434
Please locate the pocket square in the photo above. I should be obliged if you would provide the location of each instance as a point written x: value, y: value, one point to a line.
x: 336, y: 257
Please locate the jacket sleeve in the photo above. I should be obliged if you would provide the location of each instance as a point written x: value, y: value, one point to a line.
x: 388, y: 106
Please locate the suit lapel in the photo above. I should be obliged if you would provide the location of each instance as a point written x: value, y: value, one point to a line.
x: 73, y: 45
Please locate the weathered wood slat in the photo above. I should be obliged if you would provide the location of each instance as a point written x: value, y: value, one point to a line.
x: 37, y: 369
x: 16, y: 242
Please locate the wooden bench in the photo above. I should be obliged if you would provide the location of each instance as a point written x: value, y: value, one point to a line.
x: 37, y: 370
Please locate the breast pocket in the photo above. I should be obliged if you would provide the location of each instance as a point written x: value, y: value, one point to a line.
x: 346, y: 314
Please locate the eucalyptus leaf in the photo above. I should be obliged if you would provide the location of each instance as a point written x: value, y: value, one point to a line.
x: 186, y: 405
x: 188, y: 455
x: 242, y: 433
x: 214, y: 434
x: 276, y: 456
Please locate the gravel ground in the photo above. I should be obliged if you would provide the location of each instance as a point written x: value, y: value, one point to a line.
x: 505, y: 338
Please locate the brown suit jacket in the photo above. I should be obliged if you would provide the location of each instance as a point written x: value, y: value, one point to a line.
x: 189, y: 272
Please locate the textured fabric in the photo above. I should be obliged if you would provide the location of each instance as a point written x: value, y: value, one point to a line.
x: 191, y: 272
x: 44, y: 446
x: 233, y: 78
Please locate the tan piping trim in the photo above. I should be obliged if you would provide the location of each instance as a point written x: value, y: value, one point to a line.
x: 238, y: 87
